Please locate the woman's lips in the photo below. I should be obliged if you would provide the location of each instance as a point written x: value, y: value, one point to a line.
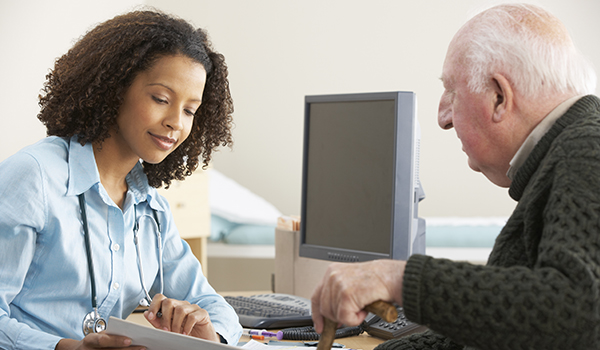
x: 163, y: 142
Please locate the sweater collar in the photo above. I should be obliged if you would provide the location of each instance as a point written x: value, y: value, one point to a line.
x: 580, y: 109
x: 538, y: 132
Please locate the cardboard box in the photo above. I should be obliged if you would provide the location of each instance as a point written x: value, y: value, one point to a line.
x: 294, y: 274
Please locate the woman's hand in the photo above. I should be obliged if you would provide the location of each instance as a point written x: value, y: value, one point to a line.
x: 97, y: 341
x: 181, y: 317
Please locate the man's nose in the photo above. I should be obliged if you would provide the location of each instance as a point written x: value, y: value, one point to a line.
x: 445, y: 113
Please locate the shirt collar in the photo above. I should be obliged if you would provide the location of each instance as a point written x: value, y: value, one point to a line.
x: 137, y: 181
x: 538, y: 132
x: 83, y: 175
x: 83, y: 172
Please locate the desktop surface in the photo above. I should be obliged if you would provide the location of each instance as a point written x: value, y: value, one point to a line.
x: 363, y: 341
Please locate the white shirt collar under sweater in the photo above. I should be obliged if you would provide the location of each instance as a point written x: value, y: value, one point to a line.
x: 538, y: 132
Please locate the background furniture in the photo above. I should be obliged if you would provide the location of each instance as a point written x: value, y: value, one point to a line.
x: 189, y: 203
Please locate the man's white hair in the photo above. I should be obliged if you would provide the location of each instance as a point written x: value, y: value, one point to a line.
x: 531, y: 47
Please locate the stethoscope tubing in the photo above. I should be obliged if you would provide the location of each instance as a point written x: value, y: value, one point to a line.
x: 88, y: 249
x: 92, y: 321
x: 139, y: 255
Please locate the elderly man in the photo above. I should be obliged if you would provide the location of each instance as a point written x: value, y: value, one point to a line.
x: 516, y: 93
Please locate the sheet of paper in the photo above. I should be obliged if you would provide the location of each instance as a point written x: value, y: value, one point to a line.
x: 157, y: 339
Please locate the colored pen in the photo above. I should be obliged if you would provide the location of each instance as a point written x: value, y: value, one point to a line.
x: 255, y: 337
x: 264, y: 333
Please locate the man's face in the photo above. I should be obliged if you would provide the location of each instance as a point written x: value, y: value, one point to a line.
x: 470, y: 114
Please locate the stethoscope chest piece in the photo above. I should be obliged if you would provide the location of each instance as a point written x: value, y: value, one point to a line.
x: 93, y: 323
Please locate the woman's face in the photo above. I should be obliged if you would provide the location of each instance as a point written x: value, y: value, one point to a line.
x: 158, y: 109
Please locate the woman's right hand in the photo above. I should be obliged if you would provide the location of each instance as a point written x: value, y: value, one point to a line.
x: 97, y: 341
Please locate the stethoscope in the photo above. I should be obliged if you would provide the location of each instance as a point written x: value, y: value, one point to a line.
x: 93, y: 322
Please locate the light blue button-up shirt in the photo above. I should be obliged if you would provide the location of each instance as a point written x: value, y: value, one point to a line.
x: 45, y: 288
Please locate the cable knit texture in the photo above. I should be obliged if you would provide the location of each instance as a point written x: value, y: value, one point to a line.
x: 541, y: 286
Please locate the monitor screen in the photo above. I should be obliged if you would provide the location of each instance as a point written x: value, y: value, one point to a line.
x: 360, y: 188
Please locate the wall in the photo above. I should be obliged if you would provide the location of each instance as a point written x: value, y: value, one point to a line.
x: 32, y: 35
x: 278, y: 52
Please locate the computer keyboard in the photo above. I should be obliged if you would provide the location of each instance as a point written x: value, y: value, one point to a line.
x: 279, y: 311
x: 271, y: 311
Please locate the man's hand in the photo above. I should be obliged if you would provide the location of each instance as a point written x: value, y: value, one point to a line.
x: 181, y: 317
x: 347, y: 288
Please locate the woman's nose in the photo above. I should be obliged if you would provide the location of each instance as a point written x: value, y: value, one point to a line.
x: 174, y: 120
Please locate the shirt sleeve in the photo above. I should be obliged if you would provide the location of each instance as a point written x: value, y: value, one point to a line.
x: 184, y: 280
x: 21, y: 216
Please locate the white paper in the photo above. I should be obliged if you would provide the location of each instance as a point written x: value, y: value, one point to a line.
x: 157, y: 339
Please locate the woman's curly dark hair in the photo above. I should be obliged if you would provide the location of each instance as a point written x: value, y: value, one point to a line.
x: 83, y: 93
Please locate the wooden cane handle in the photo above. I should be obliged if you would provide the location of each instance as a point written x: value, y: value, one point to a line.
x: 380, y: 308
x: 384, y: 310
x: 328, y: 335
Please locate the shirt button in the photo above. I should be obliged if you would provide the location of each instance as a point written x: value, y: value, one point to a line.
x: 116, y: 285
x: 116, y: 247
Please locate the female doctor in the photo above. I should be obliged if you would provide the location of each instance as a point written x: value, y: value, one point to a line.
x: 84, y: 235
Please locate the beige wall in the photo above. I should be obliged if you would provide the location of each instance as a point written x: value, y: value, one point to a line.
x: 33, y: 33
x: 277, y: 52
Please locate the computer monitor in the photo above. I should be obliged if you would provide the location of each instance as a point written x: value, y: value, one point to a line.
x: 360, y: 184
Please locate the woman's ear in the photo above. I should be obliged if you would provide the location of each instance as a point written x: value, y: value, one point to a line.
x: 504, y: 101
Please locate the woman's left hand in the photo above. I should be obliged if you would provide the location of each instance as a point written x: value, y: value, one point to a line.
x: 181, y: 317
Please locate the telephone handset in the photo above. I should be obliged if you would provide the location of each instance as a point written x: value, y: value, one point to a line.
x: 376, y: 327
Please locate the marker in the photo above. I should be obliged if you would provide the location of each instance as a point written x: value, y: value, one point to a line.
x: 255, y: 337
x: 264, y: 333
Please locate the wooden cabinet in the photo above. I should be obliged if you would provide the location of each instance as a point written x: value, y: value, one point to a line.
x: 190, y: 206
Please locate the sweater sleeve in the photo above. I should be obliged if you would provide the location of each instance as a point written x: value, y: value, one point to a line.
x: 549, y: 304
x: 427, y: 340
x: 497, y: 308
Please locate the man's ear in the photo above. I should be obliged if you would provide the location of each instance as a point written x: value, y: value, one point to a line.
x: 503, y: 103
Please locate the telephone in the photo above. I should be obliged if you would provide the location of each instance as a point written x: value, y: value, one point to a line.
x: 372, y: 324
x: 376, y: 327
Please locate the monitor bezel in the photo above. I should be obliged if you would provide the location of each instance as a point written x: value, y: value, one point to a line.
x: 402, y: 210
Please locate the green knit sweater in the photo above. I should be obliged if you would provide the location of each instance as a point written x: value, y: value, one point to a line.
x: 541, y: 286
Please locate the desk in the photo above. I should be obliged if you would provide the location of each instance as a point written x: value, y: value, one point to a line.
x: 363, y: 341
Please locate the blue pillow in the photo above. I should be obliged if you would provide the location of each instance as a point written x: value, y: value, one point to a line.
x: 462, y: 236
x: 251, y: 234
x: 220, y: 227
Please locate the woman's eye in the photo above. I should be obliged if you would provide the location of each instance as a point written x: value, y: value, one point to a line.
x: 158, y: 99
x: 189, y: 112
